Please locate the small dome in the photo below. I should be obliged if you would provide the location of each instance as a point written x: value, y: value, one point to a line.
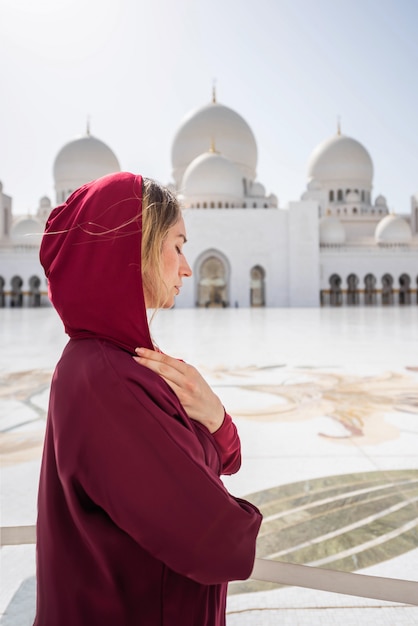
x: 341, y: 160
x: 314, y: 185
x: 45, y: 202
x: 211, y: 175
x: 331, y: 231
x: 219, y: 125
x: 27, y: 231
x: 273, y: 200
x: 393, y: 229
x: 380, y: 201
x: 257, y: 190
x: 82, y: 160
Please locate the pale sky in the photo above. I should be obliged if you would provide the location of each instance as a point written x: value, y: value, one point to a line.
x: 136, y: 68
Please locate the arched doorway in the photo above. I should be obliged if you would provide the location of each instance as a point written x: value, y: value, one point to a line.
x: 369, y: 289
x: 34, y: 291
x: 213, y: 283
x: 257, y: 286
x: 387, y: 289
x: 16, y: 295
x: 336, y: 293
x: 404, y: 289
x: 352, y: 290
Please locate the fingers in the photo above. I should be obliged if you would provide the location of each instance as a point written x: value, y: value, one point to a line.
x: 194, y: 393
x: 164, y: 365
x: 159, y: 360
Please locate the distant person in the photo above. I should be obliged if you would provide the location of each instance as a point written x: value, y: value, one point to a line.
x: 135, y: 527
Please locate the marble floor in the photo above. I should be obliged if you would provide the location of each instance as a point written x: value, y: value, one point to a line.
x: 326, y: 403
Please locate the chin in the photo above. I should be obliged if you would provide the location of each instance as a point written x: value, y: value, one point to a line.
x: 168, y: 304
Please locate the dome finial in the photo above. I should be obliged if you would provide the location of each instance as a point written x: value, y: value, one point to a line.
x: 88, y: 126
x: 212, y: 148
x: 338, y: 125
x: 214, y: 91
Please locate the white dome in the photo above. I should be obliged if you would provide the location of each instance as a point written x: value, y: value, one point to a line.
x: 214, y: 124
x: 393, y: 229
x: 27, y: 231
x: 257, y: 190
x: 380, y: 201
x: 341, y: 160
x: 273, y: 200
x: 331, y: 231
x: 80, y: 161
x: 212, y: 176
x: 45, y: 202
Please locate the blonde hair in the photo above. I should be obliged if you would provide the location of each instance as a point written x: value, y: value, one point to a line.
x: 160, y: 211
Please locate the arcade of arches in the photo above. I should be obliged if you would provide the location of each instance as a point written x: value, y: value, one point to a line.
x: 17, y: 294
x: 392, y: 291
x: 214, y: 282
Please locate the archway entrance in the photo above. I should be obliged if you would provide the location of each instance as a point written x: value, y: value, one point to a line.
x: 212, y: 286
x: 336, y: 298
x: 257, y: 290
x: 352, y: 290
x: 34, y: 291
x: 16, y: 295
x: 369, y: 289
x: 405, y: 289
x: 387, y: 289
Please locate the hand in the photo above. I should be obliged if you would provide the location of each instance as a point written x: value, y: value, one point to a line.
x: 196, y: 396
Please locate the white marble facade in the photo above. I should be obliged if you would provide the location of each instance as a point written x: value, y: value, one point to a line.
x: 334, y: 246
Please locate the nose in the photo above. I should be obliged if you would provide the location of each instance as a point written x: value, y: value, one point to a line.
x: 185, y: 269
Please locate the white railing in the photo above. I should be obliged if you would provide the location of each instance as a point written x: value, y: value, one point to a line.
x: 362, y: 585
x: 376, y: 587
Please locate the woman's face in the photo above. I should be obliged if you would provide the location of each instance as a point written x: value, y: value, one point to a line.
x: 174, y: 266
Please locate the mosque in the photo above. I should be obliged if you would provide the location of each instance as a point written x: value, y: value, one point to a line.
x: 335, y: 246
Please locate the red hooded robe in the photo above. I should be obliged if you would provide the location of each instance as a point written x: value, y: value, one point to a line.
x: 135, y: 527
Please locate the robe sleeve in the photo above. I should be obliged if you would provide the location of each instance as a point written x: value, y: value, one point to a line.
x: 121, y: 452
x: 229, y: 446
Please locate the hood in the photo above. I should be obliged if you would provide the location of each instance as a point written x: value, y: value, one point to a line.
x: 91, y: 254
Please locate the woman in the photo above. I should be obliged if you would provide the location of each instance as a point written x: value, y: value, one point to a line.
x: 134, y: 524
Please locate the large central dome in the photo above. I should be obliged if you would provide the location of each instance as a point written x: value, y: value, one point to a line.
x: 218, y: 125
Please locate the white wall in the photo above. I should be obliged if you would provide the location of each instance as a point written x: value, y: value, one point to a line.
x: 303, y: 241
x: 245, y: 238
